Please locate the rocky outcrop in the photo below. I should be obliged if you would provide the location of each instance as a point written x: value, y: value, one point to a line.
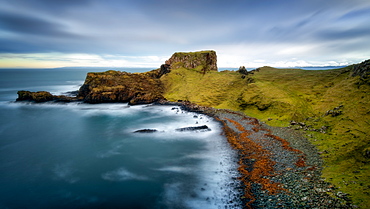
x: 242, y: 70
x: 42, y: 96
x: 115, y: 86
x: 362, y: 69
x: 203, y: 61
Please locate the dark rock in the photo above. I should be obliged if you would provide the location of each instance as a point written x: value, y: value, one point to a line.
x: 301, y: 124
x: 293, y: 123
x: 146, y: 131
x: 165, y: 68
x: 72, y: 93
x: 362, y: 69
x: 194, y: 128
x: 242, y: 70
x: 335, y: 111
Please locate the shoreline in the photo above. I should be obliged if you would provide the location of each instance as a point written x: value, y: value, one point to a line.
x: 278, y: 167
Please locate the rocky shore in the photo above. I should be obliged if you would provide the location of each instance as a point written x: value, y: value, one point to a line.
x: 279, y: 168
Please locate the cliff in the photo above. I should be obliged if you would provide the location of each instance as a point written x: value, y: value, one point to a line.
x: 203, y: 61
x: 134, y: 88
x: 115, y: 86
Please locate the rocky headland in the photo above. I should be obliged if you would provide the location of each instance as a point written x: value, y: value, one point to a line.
x: 292, y: 167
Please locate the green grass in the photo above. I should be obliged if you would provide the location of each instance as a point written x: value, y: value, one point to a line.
x: 277, y: 96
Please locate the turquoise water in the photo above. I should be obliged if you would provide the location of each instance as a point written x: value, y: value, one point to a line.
x: 87, y: 156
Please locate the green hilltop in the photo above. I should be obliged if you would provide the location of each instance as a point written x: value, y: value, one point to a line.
x: 331, y: 107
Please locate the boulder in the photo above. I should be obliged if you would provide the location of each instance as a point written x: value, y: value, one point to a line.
x: 194, y: 128
x: 146, y: 131
x: 242, y: 70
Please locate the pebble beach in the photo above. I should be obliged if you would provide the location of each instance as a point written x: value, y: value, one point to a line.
x: 279, y: 167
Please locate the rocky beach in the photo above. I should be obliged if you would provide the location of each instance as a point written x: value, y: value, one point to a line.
x: 279, y: 167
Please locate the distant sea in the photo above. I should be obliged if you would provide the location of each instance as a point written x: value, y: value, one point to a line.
x: 79, y: 155
x: 303, y: 68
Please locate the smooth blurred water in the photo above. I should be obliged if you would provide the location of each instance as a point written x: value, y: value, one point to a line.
x: 86, y: 156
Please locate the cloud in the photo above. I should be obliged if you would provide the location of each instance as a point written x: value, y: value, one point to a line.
x: 240, y: 31
x: 30, y: 25
x: 345, y: 34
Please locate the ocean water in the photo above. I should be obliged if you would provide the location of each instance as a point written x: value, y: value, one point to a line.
x: 86, y: 156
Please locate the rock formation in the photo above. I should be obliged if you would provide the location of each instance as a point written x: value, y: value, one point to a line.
x: 115, y: 86
x: 242, y: 70
x: 42, y: 96
x: 203, y: 61
x: 362, y: 69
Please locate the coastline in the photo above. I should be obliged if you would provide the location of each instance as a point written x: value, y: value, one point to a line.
x: 278, y: 166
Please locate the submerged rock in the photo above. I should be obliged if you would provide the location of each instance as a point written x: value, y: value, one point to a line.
x: 146, y: 131
x: 194, y: 128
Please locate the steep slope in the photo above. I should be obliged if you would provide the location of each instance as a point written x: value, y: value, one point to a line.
x: 114, y: 86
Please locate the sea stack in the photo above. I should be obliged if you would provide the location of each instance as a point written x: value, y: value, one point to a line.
x: 203, y: 61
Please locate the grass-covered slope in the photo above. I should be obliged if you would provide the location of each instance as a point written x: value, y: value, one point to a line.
x: 332, y: 106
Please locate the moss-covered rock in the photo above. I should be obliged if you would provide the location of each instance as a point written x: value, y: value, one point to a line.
x: 203, y: 61
x: 116, y: 86
x: 40, y: 96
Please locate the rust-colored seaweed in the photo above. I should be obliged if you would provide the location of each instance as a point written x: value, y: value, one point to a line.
x: 259, y: 158
x: 285, y: 143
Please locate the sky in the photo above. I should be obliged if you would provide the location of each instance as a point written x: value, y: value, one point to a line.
x: 145, y: 33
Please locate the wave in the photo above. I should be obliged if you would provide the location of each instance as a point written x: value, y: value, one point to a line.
x: 122, y: 174
x: 65, y: 172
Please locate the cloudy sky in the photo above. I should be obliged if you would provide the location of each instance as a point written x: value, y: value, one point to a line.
x: 144, y: 33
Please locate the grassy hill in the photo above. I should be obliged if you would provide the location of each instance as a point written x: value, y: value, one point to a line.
x: 331, y: 107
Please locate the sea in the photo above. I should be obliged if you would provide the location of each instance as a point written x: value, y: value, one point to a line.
x: 77, y: 155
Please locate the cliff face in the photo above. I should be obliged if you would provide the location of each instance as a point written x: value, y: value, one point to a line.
x: 115, y: 86
x: 134, y: 88
x: 203, y: 61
